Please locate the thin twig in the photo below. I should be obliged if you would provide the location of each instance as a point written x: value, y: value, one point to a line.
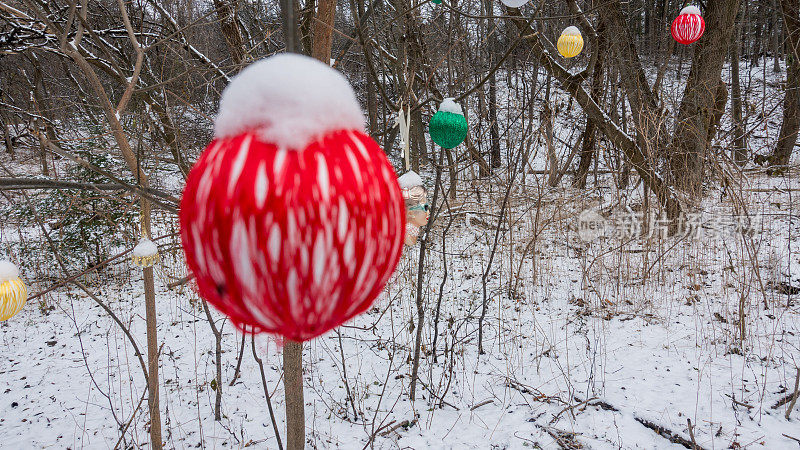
x: 691, y: 433
x: 266, y: 391
x: 796, y: 393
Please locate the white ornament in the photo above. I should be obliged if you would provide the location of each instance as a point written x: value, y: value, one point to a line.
x: 403, y: 120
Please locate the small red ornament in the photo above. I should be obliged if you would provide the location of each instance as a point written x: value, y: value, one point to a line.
x: 689, y: 26
x: 292, y: 240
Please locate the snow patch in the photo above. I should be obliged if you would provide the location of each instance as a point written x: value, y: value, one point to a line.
x: 8, y: 271
x: 145, y: 249
x: 691, y: 9
x: 290, y: 100
x: 449, y: 105
x: 571, y: 31
x: 514, y: 3
x: 409, y: 179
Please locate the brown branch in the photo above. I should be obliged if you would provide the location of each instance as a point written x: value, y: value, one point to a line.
x: 11, y: 184
x: 126, y: 96
x: 691, y: 433
x: 97, y: 266
x: 143, y: 191
x: 266, y: 391
x: 795, y: 395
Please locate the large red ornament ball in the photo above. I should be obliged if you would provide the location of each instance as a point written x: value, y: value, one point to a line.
x: 689, y: 26
x: 292, y: 240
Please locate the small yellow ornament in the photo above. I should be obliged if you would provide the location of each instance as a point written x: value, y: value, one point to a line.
x: 13, y: 292
x: 570, y: 43
x: 145, y: 254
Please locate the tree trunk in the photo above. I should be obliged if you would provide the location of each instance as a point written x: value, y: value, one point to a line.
x: 4, y: 121
x: 293, y: 387
x: 791, y: 101
x: 739, y: 138
x: 776, y: 37
x: 372, y: 108
x: 152, y: 340
x: 323, y: 30
x: 7, y: 139
x: 306, y: 26
x: 588, y: 145
x: 372, y: 101
x: 650, y: 123
x: 552, y: 157
x: 698, y: 115
x: 43, y: 130
x: 491, y: 47
x: 546, y: 119
x: 757, y: 35
x: 494, y: 126
x: 226, y: 14
x: 293, y: 351
x: 417, y: 136
x: 587, y: 155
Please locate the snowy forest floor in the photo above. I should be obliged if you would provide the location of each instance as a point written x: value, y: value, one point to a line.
x: 600, y: 345
x: 617, y: 343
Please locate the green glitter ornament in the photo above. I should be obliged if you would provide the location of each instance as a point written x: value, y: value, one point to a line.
x: 448, y: 127
x: 436, y: 2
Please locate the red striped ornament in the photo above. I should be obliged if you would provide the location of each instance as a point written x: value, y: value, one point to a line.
x: 292, y: 242
x: 689, y: 26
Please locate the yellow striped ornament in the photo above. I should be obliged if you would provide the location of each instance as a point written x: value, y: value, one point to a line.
x: 570, y: 43
x: 13, y: 292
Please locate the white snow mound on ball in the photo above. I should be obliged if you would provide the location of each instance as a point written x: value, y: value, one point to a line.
x: 691, y: 9
x: 145, y: 249
x: 8, y: 271
x: 290, y: 100
x: 449, y: 105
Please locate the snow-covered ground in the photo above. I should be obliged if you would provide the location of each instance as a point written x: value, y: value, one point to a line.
x: 593, y: 343
x: 612, y: 344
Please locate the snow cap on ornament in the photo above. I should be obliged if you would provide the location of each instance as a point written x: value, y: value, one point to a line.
x: 13, y: 292
x: 448, y: 127
x: 689, y: 26
x: 409, y: 180
x: 514, y: 3
x: 570, y: 43
x: 412, y: 187
x: 145, y: 254
x: 292, y: 219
